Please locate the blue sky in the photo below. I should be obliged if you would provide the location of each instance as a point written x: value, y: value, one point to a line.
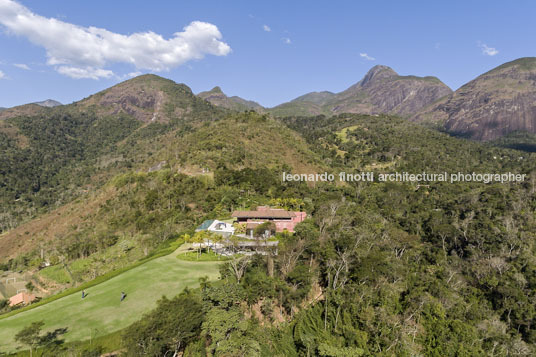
x: 271, y: 51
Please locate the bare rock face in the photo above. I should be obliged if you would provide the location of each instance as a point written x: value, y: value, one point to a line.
x: 49, y: 103
x: 381, y: 91
x: 491, y: 106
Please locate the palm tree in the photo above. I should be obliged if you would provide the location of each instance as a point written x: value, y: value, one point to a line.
x: 197, y: 238
x: 216, y: 238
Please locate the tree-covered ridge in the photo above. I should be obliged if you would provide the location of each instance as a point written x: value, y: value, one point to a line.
x: 243, y: 140
x: 49, y: 157
x: 219, y: 99
x: 361, y: 142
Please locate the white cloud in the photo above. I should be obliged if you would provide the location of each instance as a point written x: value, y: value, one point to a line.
x: 84, y: 52
x: 22, y: 66
x: 367, y: 57
x: 488, y: 51
x: 2, y: 75
x: 287, y: 40
x: 87, y: 72
x: 134, y: 74
x: 266, y: 28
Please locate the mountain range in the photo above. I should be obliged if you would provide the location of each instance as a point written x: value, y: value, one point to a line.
x: 57, y: 152
x: 381, y: 91
x: 54, y: 152
x: 98, y: 188
x: 496, y: 104
x: 131, y: 123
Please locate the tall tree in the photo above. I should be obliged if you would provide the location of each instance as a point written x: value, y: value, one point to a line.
x: 30, y: 335
x: 168, y: 329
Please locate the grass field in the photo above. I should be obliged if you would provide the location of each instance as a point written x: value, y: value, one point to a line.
x: 101, y: 312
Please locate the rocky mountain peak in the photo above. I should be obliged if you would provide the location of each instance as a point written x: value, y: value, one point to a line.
x: 377, y: 73
x: 49, y: 103
x: 381, y: 91
x: 216, y: 89
x: 218, y: 98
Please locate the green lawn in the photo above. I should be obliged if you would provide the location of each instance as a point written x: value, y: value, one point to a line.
x: 101, y: 312
x: 343, y: 134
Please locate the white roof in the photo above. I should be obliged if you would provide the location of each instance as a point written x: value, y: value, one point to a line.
x: 223, y: 227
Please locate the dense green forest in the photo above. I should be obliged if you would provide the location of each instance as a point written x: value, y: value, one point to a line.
x: 440, y: 270
x: 436, y: 269
x: 50, y: 158
x: 57, y: 158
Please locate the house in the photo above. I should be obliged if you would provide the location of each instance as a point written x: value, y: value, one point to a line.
x: 283, y: 220
x: 21, y: 298
x: 215, y: 226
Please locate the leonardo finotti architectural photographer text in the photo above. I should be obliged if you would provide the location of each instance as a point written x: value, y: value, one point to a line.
x: 370, y: 176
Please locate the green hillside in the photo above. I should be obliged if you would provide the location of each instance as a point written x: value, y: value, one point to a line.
x: 378, y: 268
x: 51, y: 156
x: 293, y: 108
x: 142, y: 209
x: 362, y: 142
x: 244, y: 140
x: 101, y: 312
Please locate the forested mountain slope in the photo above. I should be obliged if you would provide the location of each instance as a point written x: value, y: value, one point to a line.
x: 379, y: 268
x: 49, y: 155
x: 190, y: 155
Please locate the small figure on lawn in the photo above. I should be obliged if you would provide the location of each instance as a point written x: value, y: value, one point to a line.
x: 83, y: 294
x: 123, y: 296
